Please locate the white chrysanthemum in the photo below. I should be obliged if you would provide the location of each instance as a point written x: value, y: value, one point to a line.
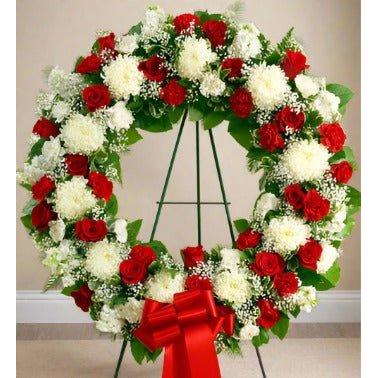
x: 131, y: 310
x: 30, y: 174
x: 153, y: 21
x: 212, y: 85
x: 249, y: 331
x: 64, y: 84
x: 123, y: 77
x: 307, y: 85
x: 120, y: 116
x: 327, y: 258
x: 265, y: 203
x: 120, y: 229
x: 126, y: 44
x: 109, y: 321
x: 57, y: 229
x: 327, y: 104
x: 337, y: 222
x: 268, y: 85
x: 56, y: 255
x: 103, y: 259
x: 230, y: 258
x: 306, y: 160
x: 162, y: 286
x: 74, y: 198
x: 246, y: 43
x: 232, y: 286
x: 81, y: 134
x: 50, y: 157
x: 286, y: 233
x: 194, y: 56
x: 60, y: 110
x: 306, y: 298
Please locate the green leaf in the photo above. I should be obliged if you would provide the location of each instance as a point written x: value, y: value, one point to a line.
x: 296, y: 311
x: 281, y: 327
x: 133, y: 136
x: 258, y: 158
x: 52, y: 281
x: 354, y: 198
x: 345, y: 154
x: 341, y: 91
x: 136, y: 29
x: 152, y: 356
x: 319, y: 281
x: 313, y: 119
x: 138, y: 350
x: 112, y: 206
x: 36, y: 149
x: 114, y: 161
x: 241, y: 132
x: 154, y: 125
x: 175, y: 114
x: 292, y: 264
x: 241, y: 225
x: 27, y: 222
x: 133, y: 229
x: 333, y: 274
x: 158, y: 247
x: 348, y: 228
x: 261, y: 338
x: 29, y: 207
x: 195, y: 114
x: 69, y: 289
x: 213, y: 119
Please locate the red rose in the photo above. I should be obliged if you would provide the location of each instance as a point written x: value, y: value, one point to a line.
x: 248, y: 239
x: 41, y: 215
x: 269, y: 137
x: 42, y: 188
x: 269, y: 314
x: 132, y: 271
x: 173, y: 93
x: 77, y: 165
x: 144, y: 254
x: 185, y: 22
x: 89, y: 64
x: 195, y: 282
x: 309, y: 254
x: 289, y: 118
x: 268, y: 264
x: 83, y: 297
x: 45, y: 128
x: 192, y: 256
x: 234, y: 65
x: 332, y: 136
x: 215, y: 31
x: 241, y: 102
x: 96, y: 96
x: 294, y: 195
x: 342, y: 172
x: 316, y: 207
x: 294, y: 63
x: 153, y: 68
x: 285, y: 283
x: 91, y: 230
x: 107, y: 42
x: 101, y: 186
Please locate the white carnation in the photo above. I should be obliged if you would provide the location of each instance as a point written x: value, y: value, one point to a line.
x: 153, y: 21
x: 61, y: 110
x: 307, y: 85
x: 212, y: 85
x: 246, y: 43
x: 51, y: 155
x: 123, y: 77
x: 249, y: 331
x: 306, y: 298
x: 327, y: 104
x: 195, y: 55
x: 57, y: 229
x: 31, y: 173
x: 268, y: 85
x: 109, y: 321
x: 306, y: 160
x: 64, y: 84
x: 265, y: 203
x: 120, y: 116
x: 162, y: 286
x: 131, y: 310
x: 81, y: 134
x: 56, y: 255
x: 286, y: 233
x: 337, y: 222
x: 230, y: 258
x: 74, y: 198
x: 126, y: 44
x: 120, y: 229
x: 103, y: 259
x: 327, y: 258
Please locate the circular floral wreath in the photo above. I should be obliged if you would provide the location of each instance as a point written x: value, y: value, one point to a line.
x: 218, y: 69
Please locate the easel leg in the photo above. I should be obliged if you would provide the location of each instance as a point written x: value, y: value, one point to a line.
x: 199, y: 238
x: 120, y: 358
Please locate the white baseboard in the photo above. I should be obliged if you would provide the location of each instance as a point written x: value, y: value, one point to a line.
x: 52, y: 307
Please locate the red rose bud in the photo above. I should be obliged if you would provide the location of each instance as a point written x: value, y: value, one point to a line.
x: 269, y: 314
x: 77, y: 165
x: 294, y: 195
x: 41, y: 215
x: 248, y: 239
x: 192, y: 256
x: 91, y: 230
x: 269, y: 137
x: 332, y: 136
x: 185, y: 22
x: 83, y: 297
x: 107, y: 42
x: 173, y: 93
x: 154, y: 68
x: 89, y: 64
x: 101, y: 186
x: 143, y: 253
x: 96, y: 96
x: 45, y: 128
x: 241, y: 102
x: 309, y: 254
x: 195, y: 282
x: 286, y: 283
x: 316, y: 207
x: 42, y: 188
x: 342, y: 172
x: 268, y: 264
x: 234, y: 65
x: 132, y: 271
x: 294, y: 63
x: 289, y: 118
x: 215, y: 31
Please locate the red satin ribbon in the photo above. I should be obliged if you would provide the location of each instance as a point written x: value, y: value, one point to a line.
x: 187, y: 329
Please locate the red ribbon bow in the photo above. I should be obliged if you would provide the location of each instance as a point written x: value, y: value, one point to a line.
x: 187, y: 329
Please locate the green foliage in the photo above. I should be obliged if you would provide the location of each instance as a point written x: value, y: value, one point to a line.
x: 136, y: 29
x: 140, y: 352
x: 261, y: 338
x: 241, y: 132
x: 52, y: 281
x: 320, y: 281
x: 111, y: 207
x: 133, y: 229
x: 258, y: 158
x: 281, y: 327
x: 343, y: 93
x: 205, y: 16
x: 27, y: 222
x: 69, y: 289
x: 133, y: 136
x: 354, y: 200
x: 175, y: 114
x: 195, y: 114
x: 152, y: 124
x: 345, y: 154
x: 313, y: 119
x: 296, y: 311
x: 29, y: 207
x: 36, y: 149
x: 158, y: 247
x: 241, y: 225
x: 213, y: 119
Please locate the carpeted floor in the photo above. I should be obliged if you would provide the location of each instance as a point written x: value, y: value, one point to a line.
x: 292, y: 358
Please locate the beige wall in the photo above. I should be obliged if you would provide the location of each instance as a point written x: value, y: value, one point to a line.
x: 51, y: 32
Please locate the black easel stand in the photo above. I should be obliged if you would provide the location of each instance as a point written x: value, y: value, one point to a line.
x: 198, y: 203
